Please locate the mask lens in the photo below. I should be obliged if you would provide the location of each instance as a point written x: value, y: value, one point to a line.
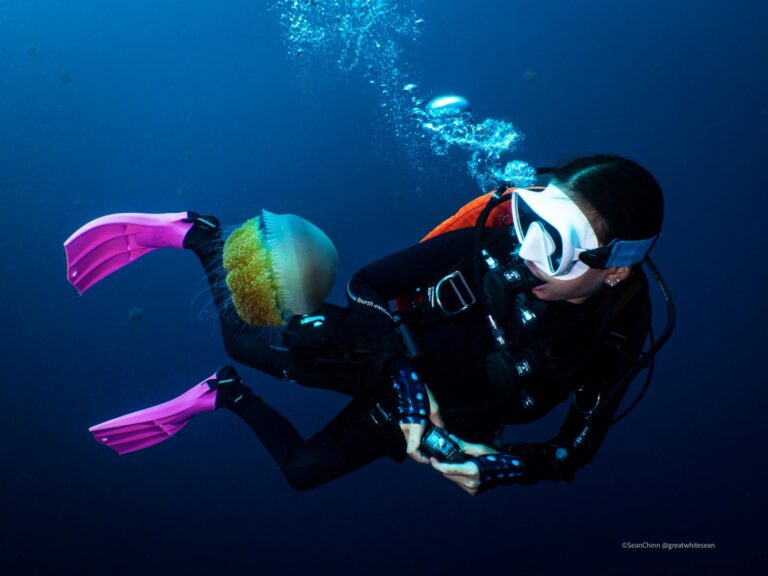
x: 526, y: 218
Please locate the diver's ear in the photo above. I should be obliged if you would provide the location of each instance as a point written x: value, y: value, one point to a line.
x: 616, y: 274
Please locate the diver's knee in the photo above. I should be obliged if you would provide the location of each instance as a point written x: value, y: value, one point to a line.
x: 255, y: 354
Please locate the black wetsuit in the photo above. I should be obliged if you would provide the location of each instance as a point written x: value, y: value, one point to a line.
x: 348, y: 350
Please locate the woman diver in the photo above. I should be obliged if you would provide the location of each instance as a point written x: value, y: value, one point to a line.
x: 524, y: 298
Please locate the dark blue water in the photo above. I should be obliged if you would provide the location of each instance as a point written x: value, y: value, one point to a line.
x: 168, y: 106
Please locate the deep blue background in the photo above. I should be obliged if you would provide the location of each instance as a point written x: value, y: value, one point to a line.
x: 202, y: 95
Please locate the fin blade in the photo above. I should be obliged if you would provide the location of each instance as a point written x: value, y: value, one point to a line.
x: 106, y: 244
x: 124, y: 442
x: 152, y: 425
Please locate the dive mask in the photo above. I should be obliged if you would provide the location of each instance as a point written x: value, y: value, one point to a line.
x: 555, y: 235
x: 552, y: 231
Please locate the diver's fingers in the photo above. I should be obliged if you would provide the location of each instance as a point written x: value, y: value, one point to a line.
x: 465, y: 469
x: 434, y: 410
x: 413, y: 434
x: 477, y: 449
x: 465, y: 483
x: 469, y: 483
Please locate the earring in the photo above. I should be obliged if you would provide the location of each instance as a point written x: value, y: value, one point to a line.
x: 613, y: 283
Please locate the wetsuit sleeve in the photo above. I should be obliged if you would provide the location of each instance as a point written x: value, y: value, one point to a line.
x: 400, y: 274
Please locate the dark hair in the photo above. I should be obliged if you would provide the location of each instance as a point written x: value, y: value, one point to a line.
x: 626, y: 197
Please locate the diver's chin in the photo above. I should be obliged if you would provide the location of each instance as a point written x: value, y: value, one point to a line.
x: 540, y: 291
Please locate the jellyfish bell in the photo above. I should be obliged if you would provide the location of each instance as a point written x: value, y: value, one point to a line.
x: 304, y: 262
x: 278, y: 266
x: 450, y: 106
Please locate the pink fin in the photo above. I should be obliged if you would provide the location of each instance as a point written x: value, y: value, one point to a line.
x: 150, y: 426
x: 108, y: 243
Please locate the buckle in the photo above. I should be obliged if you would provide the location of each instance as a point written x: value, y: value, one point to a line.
x: 380, y: 416
x: 461, y: 292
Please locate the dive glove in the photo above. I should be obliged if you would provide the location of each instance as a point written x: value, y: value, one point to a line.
x: 498, y: 469
x: 411, y: 401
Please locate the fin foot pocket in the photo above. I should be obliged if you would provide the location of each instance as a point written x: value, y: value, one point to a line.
x: 204, y: 230
x: 231, y: 391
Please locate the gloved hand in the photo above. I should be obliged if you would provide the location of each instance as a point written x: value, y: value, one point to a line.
x: 485, y: 469
x: 414, y: 404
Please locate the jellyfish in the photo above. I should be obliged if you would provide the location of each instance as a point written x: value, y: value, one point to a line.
x: 278, y: 266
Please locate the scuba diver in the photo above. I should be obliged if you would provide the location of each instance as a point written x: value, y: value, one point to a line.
x: 521, y: 300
